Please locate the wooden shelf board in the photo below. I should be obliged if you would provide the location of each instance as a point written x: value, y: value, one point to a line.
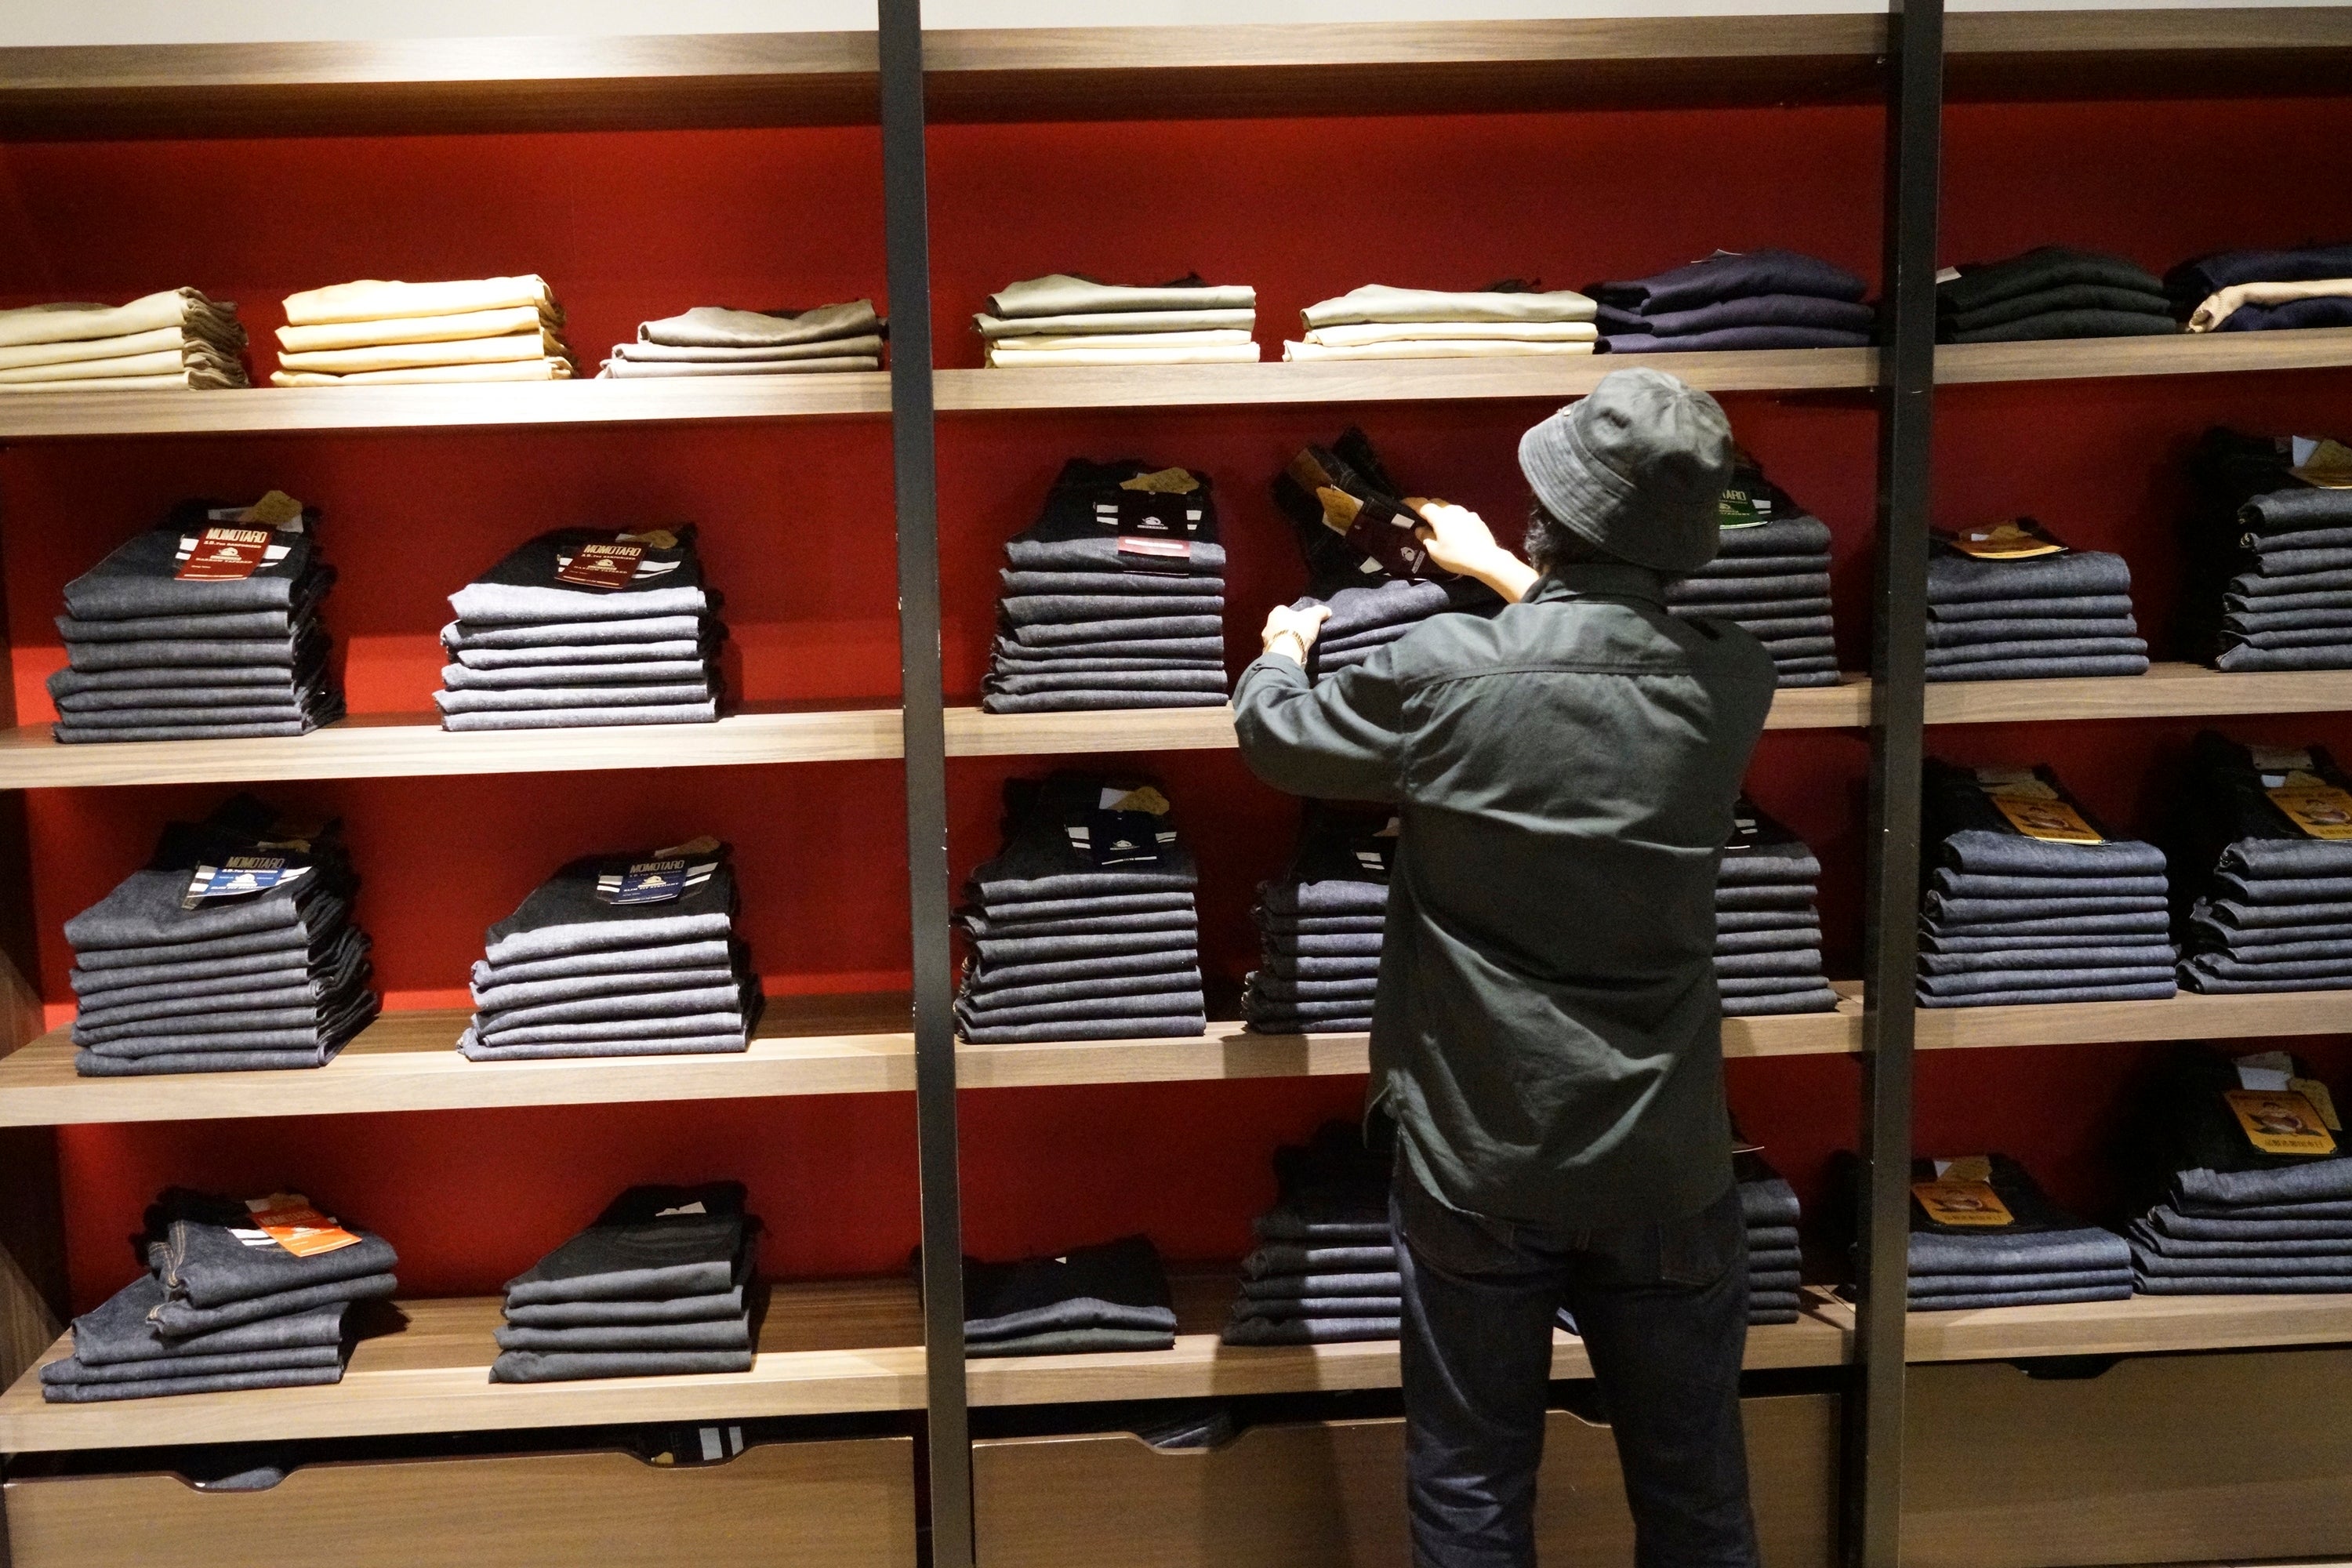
x: 413, y: 745
x: 409, y: 1061
x: 2166, y: 691
x: 1200, y: 1367
x: 2187, y: 1016
x: 825, y: 1348
x: 26, y: 416
x: 2141, y: 1325
x: 2146, y: 52
x: 2204, y: 354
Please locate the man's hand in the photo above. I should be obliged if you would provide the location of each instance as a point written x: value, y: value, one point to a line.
x: 1459, y: 540
x: 1291, y: 633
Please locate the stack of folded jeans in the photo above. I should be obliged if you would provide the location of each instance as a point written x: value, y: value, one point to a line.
x: 1113, y: 1297
x: 1767, y: 930
x: 1114, y: 597
x: 1066, y: 321
x: 1320, y: 926
x: 1759, y: 299
x: 2258, y: 1199
x: 205, y: 627
x: 2274, y: 824
x: 1775, y: 1266
x: 585, y: 627
x: 2269, y: 553
x: 231, y: 950
x: 660, y: 1285
x: 1771, y: 575
x: 2052, y: 292
x: 235, y: 1295
x: 1983, y: 1235
x: 1325, y: 1271
x: 2028, y: 899
x: 1502, y: 320
x: 620, y: 955
x: 175, y: 339
x: 2265, y: 290
x: 711, y: 339
x: 374, y: 333
x: 1996, y: 613
x: 1082, y: 928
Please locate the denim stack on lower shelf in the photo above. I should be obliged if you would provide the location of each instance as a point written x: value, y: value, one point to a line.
x: 2061, y: 613
x: 1112, y: 1297
x: 1753, y: 300
x: 658, y: 1286
x: 1775, y: 1266
x: 1768, y: 933
x: 1983, y: 1235
x: 2028, y: 899
x: 205, y: 627
x: 2052, y: 291
x: 585, y: 627
x: 619, y: 955
x: 1320, y: 926
x: 1114, y: 597
x: 1325, y: 1271
x: 2268, y: 553
x: 2273, y: 824
x: 1771, y: 575
x: 1082, y: 928
x: 225, y: 1304
x: 2238, y: 1216
x: 232, y: 950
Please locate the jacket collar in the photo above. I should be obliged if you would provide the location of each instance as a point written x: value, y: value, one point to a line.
x: 1597, y: 580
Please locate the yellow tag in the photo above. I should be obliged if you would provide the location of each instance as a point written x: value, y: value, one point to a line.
x: 1339, y: 509
x: 287, y: 1219
x: 2038, y: 811
x: 277, y: 509
x: 2329, y: 466
x: 1144, y: 799
x: 1950, y: 1202
x: 2013, y: 540
x: 2280, y: 1123
x: 1164, y: 482
x: 2311, y: 1090
x: 2321, y: 809
x: 659, y: 537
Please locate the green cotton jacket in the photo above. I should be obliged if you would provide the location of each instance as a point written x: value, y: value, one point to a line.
x: 1547, y: 1030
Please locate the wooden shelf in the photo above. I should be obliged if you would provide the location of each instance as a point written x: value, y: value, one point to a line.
x: 2199, y: 353
x: 413, y: 745
x: 2141, y: 1325
x: 2148, y: 52
x: 27, y: 415
x: 2187, y: 1016
x: 1200, y: 1367
x: 409, y: 1061
x: 2166, y: 691
x: 825, y: 1348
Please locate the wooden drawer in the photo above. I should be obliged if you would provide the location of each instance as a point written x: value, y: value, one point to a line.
x: 848, y: 1504
x: 2159, y: 1459
x: 1332, y: 1495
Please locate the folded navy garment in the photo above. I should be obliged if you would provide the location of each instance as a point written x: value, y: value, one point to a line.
x: 142, y: 578
x: 2058, y: 982
x: 2324, y: 311
x: 1117, y: 1285
x: 648, y: 573
x: 2119, y: 1290
x: 567, y: 915
x: 538, y: 1366
x: 1954, y: 578
x: 2040, y: 1237
x: 1727, y: 275
x: 1745, y: 310
x: 2054, y: 324
x: 2191, y: 281
x: 1736, y: 338
x: 1981, y: 285
x: 1309, y: 1331
x: 652, y: 1243
x: 2243, y: 656
x: 2067, y: 298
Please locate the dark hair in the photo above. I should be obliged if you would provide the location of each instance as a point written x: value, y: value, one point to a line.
x: 1551, y: 543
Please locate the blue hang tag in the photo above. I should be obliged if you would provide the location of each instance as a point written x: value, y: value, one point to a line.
x: 241, y: 876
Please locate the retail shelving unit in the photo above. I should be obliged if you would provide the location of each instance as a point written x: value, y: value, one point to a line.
x: 867, y: 1346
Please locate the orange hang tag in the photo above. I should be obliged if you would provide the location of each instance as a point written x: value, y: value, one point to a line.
x: 224, y: 554
x: 1949, y: 1202
x: 2280, y: 1122
x: 2037, y: 810
x: 2321, y: 809
x: 2019, y: 539
x: 602, y: 565
x: 287, y: 1219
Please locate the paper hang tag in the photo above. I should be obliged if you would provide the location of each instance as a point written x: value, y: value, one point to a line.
x: 223, y: 552
x: 696, y: 1206
x: 1163, y: 482
x: 2321, y: 1101
x: 2019, y: 539
x: 1962, y: 1203
x: 2324, y: 463
x: 1381, y: 529
x: 1155, y: 557
x: 2282, y: 1122
x: 276, y: 510
x: 2265, y: 1070
x: 1377, y: 853
x: 287, y: 1220
x: 1746, y: 501
x: 2035, y: 809
x: 241, y: 876
x: 2279, y: 760
x: 2323, y: 810
x: 1947, y: 274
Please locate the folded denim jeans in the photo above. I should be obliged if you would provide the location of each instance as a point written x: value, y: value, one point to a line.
x: 1954, y: 915
x: 708, y: 1306
x: 524, y: 588
x: 462, y: 637
x: 1309, y: 1331
x: 202, y: 1258
x: 184, y: 1320
x: 661, y: 957
x: 539, y: 1366
x: 120, y: 1331
x: 224, y: 1383
x: 1045, y: 993
x: 639, y: 1250
x: 1171, y: 1027
x: 2116, y: 1292
x: 716, y: 1334
x: 494, y: 999
x: 2056, y: 973
x: 143, y: 1376
x: 1734, y: 339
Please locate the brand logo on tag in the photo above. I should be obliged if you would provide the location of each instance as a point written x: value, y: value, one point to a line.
x: 612, y: 564
x: 2016, y: 540
x: 2280, y: 1122
x: 2037, y: 810
x: 2323, y: 810
x: 645, y: 882
x: 241, y: 876
x: 223, y: 554
x: 1949, y: 1202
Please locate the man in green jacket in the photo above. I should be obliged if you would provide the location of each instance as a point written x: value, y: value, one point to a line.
x: 1547, y: 1030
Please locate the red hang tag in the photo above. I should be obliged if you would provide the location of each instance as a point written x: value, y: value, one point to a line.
x: 603, y: 564
x: 222, y: 554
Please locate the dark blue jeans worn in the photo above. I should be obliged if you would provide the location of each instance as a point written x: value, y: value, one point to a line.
x: 1664, y: 1311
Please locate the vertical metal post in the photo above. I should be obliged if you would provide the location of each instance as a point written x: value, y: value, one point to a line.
x: 1898, y: 739
x: 907, y: 236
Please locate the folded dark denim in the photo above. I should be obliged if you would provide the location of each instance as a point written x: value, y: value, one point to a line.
x: 143, y: 1376
x: 225, y: 1383
x: 280, y: 654
x: 716, y: 1334
x: 2056, y: 973
x: 1743, y: 311
x: 1953, y: 640
x: 1171, y: 1027
x: 708, y: 1306
x: 202, y: 1259
x: 1773, y: 898
x: 730, y: 1025
x: 1011, y: 664
x: 564, y: 916
x: 90, y: 1064
x: 1734, y: 339
x: 2071, y: 882
x: 1955, y: 915
x: 1270, y: 923
x: 638, y: 1250
x: 622, y: 632
x: 2052, y: 325
x: 2116, y: 1292
x: 1793, y: 963
x: 140, y: 577
x: 1795, y: 534
x: 2032, y: 959
x: 2302, y: 590
x: 2118, y: 298
x: 342, y: 955
x: 2336, y: 1266
x: 119, y: 1332
x: 1774, y: 630
x: 1174, y: 1002
x: 1290, y: 1257
x: 996, y: 977
x: 1310, y: 967
x: 1100, y: 699
x: 1102, y: 554
x: 1954, y: 578
x: 1817, y: 999
x: 614, y: 678
x: 1295, y: 1286
x: 711, y: 1043
x: 2148, y: 1240
x: 1299, y: 1222
x: 1708, y: 594
x: 1054, y: 992
x: 1016, y: 584
x: 524, y: 995
x: 1927, y: 1287
x: 2217, y: 985
x: 2317, y: 1181
x: 1076, y: 609
x: 538, y: 1366
x: 2033, y: 607
x: 1727, y: 276
x: 523, y: 587
x: 975, y: 922
x: 662, y: 957
x: 2225, y: 1283
x: 1118, y: 1284
x: 2292, y: 315
x: 2191, y: 281
x: 1081, y: 634
x: 635, y: 1005
x: 1316, y: 1306
x: 1295, y: 1016
x: 319, y: 1031
x: 1744, y: 612
x: 1309, y: 1331
x: 184, y: 1320
x: 2338, y: 638
x: 1974, y: 836
x: 2323, y: 974
x: 1074, y: 1342
x: 2122, y: 665
x: 2273, y: 901
x: 1981, y: 285
x: 2102, y: 931
x: 2243, y: 656
x: 1206, y: 681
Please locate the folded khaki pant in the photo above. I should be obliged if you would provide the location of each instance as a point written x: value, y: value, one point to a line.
x: 74, y: 324
x: 1444, y: 348
x: 530, y: 345
x: 374, y: 299
x: 512, y: 369
x: 1380, y: 302
x: 498, y: 323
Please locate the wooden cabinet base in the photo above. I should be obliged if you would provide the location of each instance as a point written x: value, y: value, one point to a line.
x: 1332, y: 1494
x: 2186, y: 1459
x: 848, y: 1504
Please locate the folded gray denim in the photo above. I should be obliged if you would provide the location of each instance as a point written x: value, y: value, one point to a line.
x: 976, y: 923
x: 1789, y: 963
x: 279, y: 654
x: 2030, y: 608
x: 555, y: 1050
x: 502, y: 998
x: 2030, y: 957
x: 1080, y: 634
x: 1955, y: 915
x: 204, y: 1262
x: 70, y: 733
x: 118, y: 1331
x: 2258, y: 590
x: 732, y: 1026
x: 1167, y: 1003
x: 1281, y: 988
x: 1068, y: 609
x: 2057, y: 971
x: 2101, y: 666
x: 181, y: 1320
x: 222, y: 976
x: 1954, y: 578
x: 1745, y: 612
x: 1090, y: 701
x: 716, y: 1334
x: 1167, y: 652
x: 566, y: 705
x: 1207, y: 680
x: 2235, y: 633
x: 1083, y: 989
x: 1014, y: 909
x: 320, y: 1029
x: 1016, y: 584
x: 689, y: 1001
x: 90, y: 1064
x: 709, y: 1307
x: 2243, y: 656
x: 1171, y: 1027
x: 688, y: 680
x: 1957, y: 634
x: 538, y: 1366
x: 74, y: 1371
x: 1706, y: 593
x: 1295, y: 1287
x: 1074, y: 1342
x: 655, y: 957
x: 1009, y: 951
x: 1309, y: 1331
x: 225, y: 1383
x: 211, y: 682
x: 1961, y: 884
x: 1103, y: 554
x: 2337, y: 968
x: 2337, y: 1264
x: 2035, y: 648
x: 467, y: 636
x: 1815, y: 998
x: 2105, y: 929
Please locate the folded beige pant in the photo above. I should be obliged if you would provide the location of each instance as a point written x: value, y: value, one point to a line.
x: 647, y: 369
x: 530, y: 345
x: 1380, y: 302
x: 2219, y: 308
x: 509, y: 369
x: 1454, y: 331
x: 1447, y: 348
x: 1079, y: 342
x: 499, y: 323
x: 1240, y: 353
x: 160, y: 362
x: 372, y: 299
x: 1059, y: 294
x: 75, y: 324
x: 867, y: 346
x: 1122, y: 322
x: 198, y: 378
x: 127, y: 345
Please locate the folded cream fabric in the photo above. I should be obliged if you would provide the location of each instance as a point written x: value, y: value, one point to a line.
x: 74, y: 324
x: 128, y: 344
x: 1447, y: 348
x: 160, y: 362
x: 1007, y: 354
x: 1380, y: 302
x: 994, y: 327
x: 507, y: 370
x: 1060, y: 294
x: 196, y: 378
x: 717, y: 327
x: 372, y: 299
x: 2219, y: 308
x: 1446, y: 331
x: 1073, y: 342
x: 530, y: 345
x: 867, y: 347
x: 503, y: 323
x: 638, y: 369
